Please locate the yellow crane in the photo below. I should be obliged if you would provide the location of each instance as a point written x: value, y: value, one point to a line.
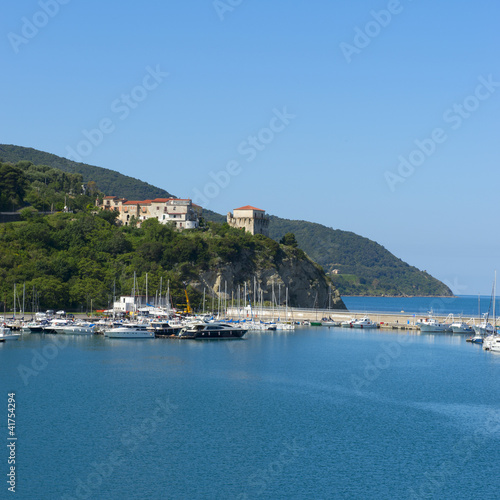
x: 187, y: 305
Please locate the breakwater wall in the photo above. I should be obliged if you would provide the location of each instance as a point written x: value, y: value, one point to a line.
x: 385, y: 319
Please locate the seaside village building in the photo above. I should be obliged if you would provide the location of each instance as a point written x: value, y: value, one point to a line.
x: 251, y: 219
x: 182, y: 213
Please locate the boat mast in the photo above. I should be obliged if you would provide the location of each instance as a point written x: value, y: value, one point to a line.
x: 279, y: 302
x: 494, y: 299
x: 272, y: 298
x: 133, y: 296
x: 167, y: 298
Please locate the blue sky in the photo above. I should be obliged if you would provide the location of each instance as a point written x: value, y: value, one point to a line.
x: 376, y: 117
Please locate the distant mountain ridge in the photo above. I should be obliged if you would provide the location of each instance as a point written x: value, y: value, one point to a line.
x: 108, y: 181
x: 364, y: 267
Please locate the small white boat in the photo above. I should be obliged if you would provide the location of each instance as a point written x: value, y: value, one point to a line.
x: 495, y: 345
x: 6, y: 334
x: 476, y: 339
x: 432, y: 325
x: 331, y: 323
x: 130, y: 331
x: 364, y: 322
x: 78, y: 329
x: 285, y: 326
x: 489, y: 341
x: 348, y: 323
x: 56, y: 326
x: 484, y: 328
x: 462, y: 327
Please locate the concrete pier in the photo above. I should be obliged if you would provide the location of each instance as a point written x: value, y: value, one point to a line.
x: 399, y: 320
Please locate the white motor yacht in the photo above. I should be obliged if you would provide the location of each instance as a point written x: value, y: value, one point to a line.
x: 432, y: 325
x: 78, y: 328
x: 130, y: 331
x: 461, y: 327
x: 364, y: 322
x: 6, y: 334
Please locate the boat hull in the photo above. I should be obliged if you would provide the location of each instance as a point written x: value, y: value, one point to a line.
x: 10, y: 336
x: 223, y: 334
x: 128, y: 333
x: 78, y: 330
x: 434, y: 328
x: 461, y: 329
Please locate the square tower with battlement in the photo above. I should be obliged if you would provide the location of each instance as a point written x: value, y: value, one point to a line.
x: 251, y: 219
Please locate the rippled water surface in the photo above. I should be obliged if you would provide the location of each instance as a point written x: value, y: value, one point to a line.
x: 317, y: 413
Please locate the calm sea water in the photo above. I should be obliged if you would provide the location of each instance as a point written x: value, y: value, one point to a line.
x: 467, y: 305
x: 314, y: 414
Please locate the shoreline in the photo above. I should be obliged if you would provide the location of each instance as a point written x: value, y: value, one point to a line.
x: 406, y: 296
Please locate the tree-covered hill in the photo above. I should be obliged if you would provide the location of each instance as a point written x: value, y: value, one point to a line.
x: 107, y: 181
x: 364, y: 266
x: 78, y: 261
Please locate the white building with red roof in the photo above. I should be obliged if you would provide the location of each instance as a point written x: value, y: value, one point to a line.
x: 180, y: 212
x: 251, y: 219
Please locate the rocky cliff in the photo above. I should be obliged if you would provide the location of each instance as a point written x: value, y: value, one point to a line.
x: 285, y: 268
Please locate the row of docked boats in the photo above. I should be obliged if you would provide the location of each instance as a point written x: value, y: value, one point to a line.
x: 193, y: 328
x: 483, y: 333
x: 59, y: 325
x: 449, y: 325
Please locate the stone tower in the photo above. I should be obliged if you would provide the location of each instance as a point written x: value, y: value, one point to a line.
x: 251, y: 219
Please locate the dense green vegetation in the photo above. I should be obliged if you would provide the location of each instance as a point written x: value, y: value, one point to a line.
x: 103, y: 180
x: 365, y: 267
x: 42, y: 187
x: 78, y: 261
x: 106, y: 181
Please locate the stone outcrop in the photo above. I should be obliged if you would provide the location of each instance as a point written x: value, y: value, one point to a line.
x: 306, y: 282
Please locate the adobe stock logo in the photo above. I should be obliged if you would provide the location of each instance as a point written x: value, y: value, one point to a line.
x: 455, y: 116
x: 223, y: 6
x: 122, y: 106
x: 249, y: 149
x: 31, y: 27
x: 363, y: 36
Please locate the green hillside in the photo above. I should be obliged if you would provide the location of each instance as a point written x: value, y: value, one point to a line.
x: 107, y: 181
x: 365, y: 267
x: 78, y: 261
